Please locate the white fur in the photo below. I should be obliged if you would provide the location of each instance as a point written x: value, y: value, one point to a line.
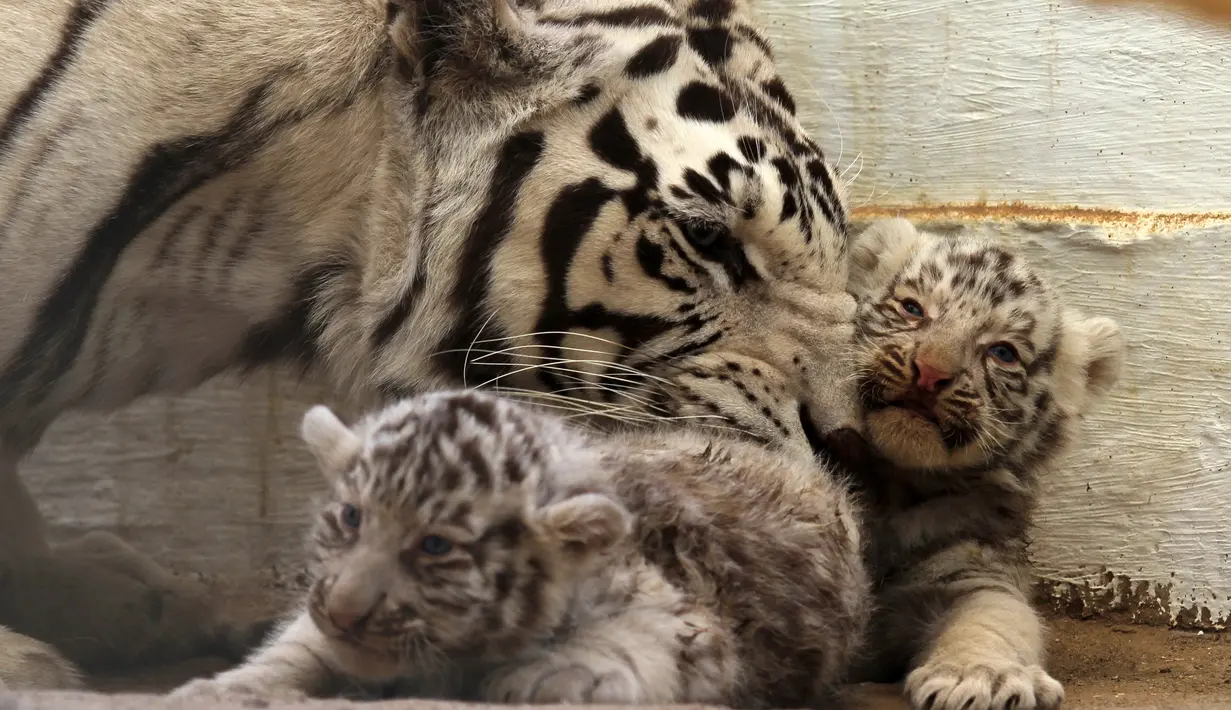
x: 330, y: 441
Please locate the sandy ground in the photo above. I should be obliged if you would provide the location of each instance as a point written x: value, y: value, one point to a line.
x: 1102, y: 664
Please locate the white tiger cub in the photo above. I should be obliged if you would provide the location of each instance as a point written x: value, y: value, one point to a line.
x: 467, y: 530
x: 973, y: 377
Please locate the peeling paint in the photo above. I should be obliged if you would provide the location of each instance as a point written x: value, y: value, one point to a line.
x: 1120, y: 224
x: 1118, y: 596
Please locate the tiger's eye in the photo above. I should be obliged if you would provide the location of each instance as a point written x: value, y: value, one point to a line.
x: 912, y: 308
x: 1004, y: 352
x: 350, y: 516
x: 703, y: 234
x: 435, y: 545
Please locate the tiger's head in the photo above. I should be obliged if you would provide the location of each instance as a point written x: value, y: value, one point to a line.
x: 460, y: 523
x: 643, y: 228
x: 966, y: 357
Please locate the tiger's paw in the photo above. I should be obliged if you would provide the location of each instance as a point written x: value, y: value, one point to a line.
x: 28, y: 664
x: 982, y: 685
x: 180, y: 619
x: 556, y: 681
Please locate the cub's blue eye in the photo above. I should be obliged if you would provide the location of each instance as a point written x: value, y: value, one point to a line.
x: 1003, y: 352
x: 912, y: 308
x: 435, y: 545
x: 351, y: 517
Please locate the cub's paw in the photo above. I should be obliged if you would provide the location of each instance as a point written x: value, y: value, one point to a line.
x: 984, y: 685
x: 248, y: 694
x: 554, y: 682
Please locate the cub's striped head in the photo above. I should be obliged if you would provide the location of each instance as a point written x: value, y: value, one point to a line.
x: 657, y: 236
x: 966, y: 358
x: 459, y: 522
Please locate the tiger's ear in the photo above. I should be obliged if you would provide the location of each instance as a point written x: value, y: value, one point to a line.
x: 459, y: 28
x: 333, y: 444
x: 1094, y: 353
x: 587, y: 524
x: 498, y: 60
x: 878, y: 254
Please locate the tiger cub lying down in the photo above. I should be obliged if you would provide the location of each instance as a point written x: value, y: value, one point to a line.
x: 470, y: 531
x: 973, y: 378
x: 678, y: 567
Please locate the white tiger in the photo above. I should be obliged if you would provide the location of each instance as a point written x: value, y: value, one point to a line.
x: 615, y: 193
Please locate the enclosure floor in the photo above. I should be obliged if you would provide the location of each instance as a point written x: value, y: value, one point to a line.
x: 1102, y: 665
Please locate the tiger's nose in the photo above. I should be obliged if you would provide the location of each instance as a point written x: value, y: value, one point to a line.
x: 349, y: 607
x: 346, y: 620
x: 929, y: 377
x: 843, y: 447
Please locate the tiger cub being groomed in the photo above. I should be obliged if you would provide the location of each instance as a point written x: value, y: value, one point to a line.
x: 973, y: 376
x: 469, y: 531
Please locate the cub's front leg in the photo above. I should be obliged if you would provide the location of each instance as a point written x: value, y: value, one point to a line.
x: 642, y: 656
x: 297, y: 662
x: 985, y: 650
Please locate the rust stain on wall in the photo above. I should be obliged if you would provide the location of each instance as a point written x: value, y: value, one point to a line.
x: 1216, y: 11
x: 1118, y: 596
x: 1118, y: 222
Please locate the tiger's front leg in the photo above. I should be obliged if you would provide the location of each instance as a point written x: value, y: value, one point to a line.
x: 28, y: 664
x: 96, y: 602
x: 104, y: 615
x: 985, y: 650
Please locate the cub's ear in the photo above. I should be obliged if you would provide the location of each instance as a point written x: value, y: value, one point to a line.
x: 879, y: 252
x: 333, y: 444
x: 588, y: 524
x: 1104, y: 353
x: 1098, y: 351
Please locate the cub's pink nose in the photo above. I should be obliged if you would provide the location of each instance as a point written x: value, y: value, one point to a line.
x: 346, y: 621
x: 929, y: 377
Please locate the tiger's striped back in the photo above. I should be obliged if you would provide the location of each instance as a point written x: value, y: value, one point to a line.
x: 610, y: 201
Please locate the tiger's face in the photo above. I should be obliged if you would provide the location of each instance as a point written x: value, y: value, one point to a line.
x: 459, y: 523
x: 671, y: 243
x: 965, y: 357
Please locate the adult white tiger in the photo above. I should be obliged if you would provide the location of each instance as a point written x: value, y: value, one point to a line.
x: 617, y: 188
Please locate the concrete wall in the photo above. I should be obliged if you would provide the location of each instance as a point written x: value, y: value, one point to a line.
x: 1097, y: 139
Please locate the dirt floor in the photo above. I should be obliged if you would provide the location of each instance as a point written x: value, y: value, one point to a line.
x: 1102, y: 664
